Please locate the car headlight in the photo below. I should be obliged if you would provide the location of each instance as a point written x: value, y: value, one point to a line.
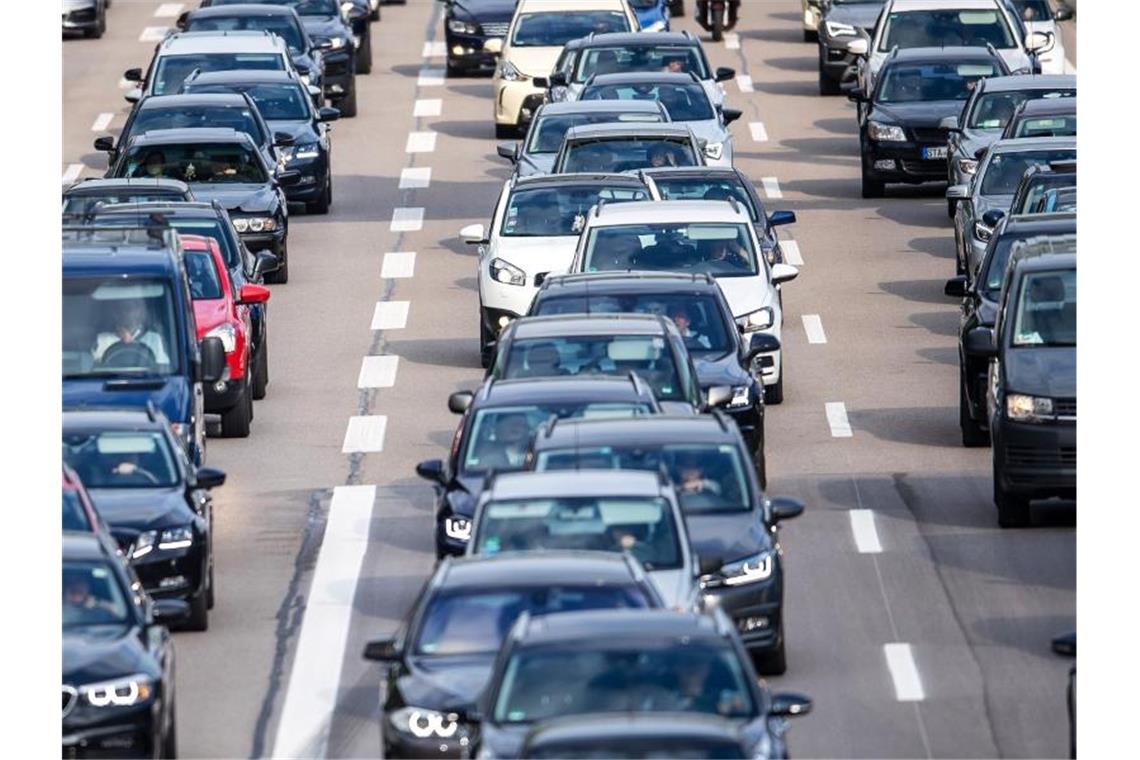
x: 885, y: 132
x: 741, y: 397
x: 122, y: 692
x: 715, y: 151
x: 167, y: 540
x: 836, y: 29
x: 423, y: 723
x: 656, y: 26
x: 462, y: 27
x: 982, y: 232
x: 748, y: 570
x: 510, y: 73
x: 507, y: 273
x: 967, y: 165
x: 458, y: 528
x: 1022, y: 408
x: 761, y: 319
x: 305, y: 80
x: 226, y: 333
x: 255, y: 224
x: 300, y: 152
x: 337, y: 43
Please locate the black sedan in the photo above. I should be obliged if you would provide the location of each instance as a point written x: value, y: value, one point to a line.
x: 158, y: 509
x: 437, y: 665
x: 469, y: 25
x: 118, y: 658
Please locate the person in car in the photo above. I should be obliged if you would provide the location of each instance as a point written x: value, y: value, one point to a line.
x: 618, y: 252
x: 675, y: 65
x: 693, y: 339
x: 130, y: 328
x: 727, y: 253
x: 78, y: 597
x: 660, y: 155
x: 512, y: 436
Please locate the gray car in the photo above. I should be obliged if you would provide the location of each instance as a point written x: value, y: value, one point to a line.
x: 843, y: 22
x: 88, y: 17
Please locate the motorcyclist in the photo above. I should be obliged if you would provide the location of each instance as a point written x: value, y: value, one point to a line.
x: 704, y: 15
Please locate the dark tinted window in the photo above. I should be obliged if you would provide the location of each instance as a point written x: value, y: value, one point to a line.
x: 120, y: 459
x: 559, y: 211
x: 614, y: 60
x: 91, y: 595
x: 211, y: 163
x: 993, y: 109
x: 1046, y: 312
x: 74, y: 515
x: 114, y: 326
x: 205, y: 283
x: 699, y: 189
x: 1004, y: 171
x: 556, y: 28
x: 173, y: 69
x: 547, y: 133
x: 627, y: 154
x: 947, y: 28
x: 699, y: 318
x: 282, y: 26
x: 684, y: 102
x: 914, y: 83
x: 237, y: 118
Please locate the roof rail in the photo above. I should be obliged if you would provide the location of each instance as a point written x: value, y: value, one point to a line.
x: 151, y: 411
x: 635, y: 568
x: 720, y: 416
x: 639, y: 385
x: 600, y: 205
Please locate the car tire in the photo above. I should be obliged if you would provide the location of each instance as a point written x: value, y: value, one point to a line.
x: 322, y: 204
x: 364, y: 57
x: 260, y: 376
x: 1013, y: 510
x: 973, y: 434
x: 170, y: 739
x: 951, y: 208
x: 486, y: 349
x: 774, y: 394
x: 827, y: 86
x: 280, y: 275
x: 872, y: 188
x: 810, y: 35
x: 762, y: 467
x: 347, y: 104
x: 210, y: 586
x: 506, y: 132
x: 677, y: 8
x: 199, y: 614
x: 235, y: 421
x: 100, y: 27
x: 772, y: 662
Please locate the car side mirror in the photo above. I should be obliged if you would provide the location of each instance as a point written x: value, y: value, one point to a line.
x: 133, y: 95
x: 980, y: 153
x: 431, y: 469
x: 708, y: 565
x: 170, y: 612
x: 958, y: 192
x: 183, y: 17
x: 288, y: 178
x: 1063, y: 13
x: 106, y: 144
x: 509, y: 151
x: 133, y: 75
x: 1039, y: 42
x: 776, y: 218
x: 213, y: 359
x: 858, y: 47
x: 784, y: 508
x: 558, y: 79
x: 786, y: 704
x: 1066, y: 644
x: 209, y: 477
x: 474, y: 234
x: 956, y: 287
x: 783, y: 273
x: 541, y: 83
x: 761, y: 343
x: 854, y: 91
x: 302, y: 69
x: 315, y: 92
x: 281, y: 139
x: 265, y: 262
x: 992, y: 217
x: 328, y: 113
x: 724, y: 74
x: 717, y: 396
x: 980, y: 342
x: 251, y: 294
x: 460, y: 401
x: 382, y: 650
x: 731, y: 114
x: 949, y: 123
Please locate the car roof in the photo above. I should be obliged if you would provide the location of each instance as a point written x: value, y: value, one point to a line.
x: 238, y: 41
x: 955, y: 53
x: 93, y: 420
x: 1043, y: 224
x: 529, y: 6
x: 192, y: 135
x: 573, y: 483
x: 693, y: 171
x: 121, y: 249
x: 537, y: 569
x: 1017, y: 144
x: 602, y: 283
x: 82, y: 546
x: 654, y: 725
x: 639, y: 39
x: 1044, y: 106
x: 1018, y: 82
x: 917, y: 5
x: 601, y: 106
x: 622, y: 129
x: 598, y: 626
x: 1045, y: 252
x: 634, y: 77
x: 193, y: 209
x: 568, y: 325
x: 241, y: 76
x: 578, y: 178
x: 242, y: 9
x: 101, y: 185
x: 162, y: 102
x: 636, y: 212
x: 656, y: 430
x: 554, y: 389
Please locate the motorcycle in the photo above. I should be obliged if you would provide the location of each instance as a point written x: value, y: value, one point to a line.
x: 717, y: 16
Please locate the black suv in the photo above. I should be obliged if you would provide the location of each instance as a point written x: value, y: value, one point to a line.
x: 468, y: 25
x: 841, y: 23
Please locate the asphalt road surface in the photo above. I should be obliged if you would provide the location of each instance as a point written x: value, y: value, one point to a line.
x: 919, y: 627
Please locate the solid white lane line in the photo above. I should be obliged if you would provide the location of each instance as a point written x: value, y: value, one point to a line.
x: 813, y: 326
x: 759, y: 134
x: 398, y: 264
x: 310, y: 696
x: 430, y: 78
x: 415, y: 179
x: 153, y: 34
x: 436, y: 49
x: 904, y: 672
x: 837, y: 419
x: 771, y: 187
x: 378, y: 372
x: 390, y: 315
x: 732, y: 41
x: 863, y: 528
x: 421, y: 142
x: 745, y: 83
x: 365, y: 434
x: 407, y: 220
x: 71, y: 173
x: 102, y: 121
x: 168, y: 10
x: 792, y: 253
x: 427, y: 107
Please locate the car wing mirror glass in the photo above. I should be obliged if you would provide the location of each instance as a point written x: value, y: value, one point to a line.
x: 209, y: 477
x: 382, y: 650
x: 784, y: 508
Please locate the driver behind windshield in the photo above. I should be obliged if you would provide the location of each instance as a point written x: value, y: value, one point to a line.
x: 129, y: 336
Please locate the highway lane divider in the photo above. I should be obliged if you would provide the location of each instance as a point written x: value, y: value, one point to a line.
x: 813, y: 328
x: 904, y: 672
x: 792, y: 253
x: 390, y: 315
x: 431, y: 78
x: 771, y: 187
x: 378, y: 372
x: 407, y: 220
x: 420, y: 142
x: 836, y: 412
x: 864, y: 530
x: 398, y: 264
x: 759, y: 133
x: 365, y: 434
x: 427, y: 107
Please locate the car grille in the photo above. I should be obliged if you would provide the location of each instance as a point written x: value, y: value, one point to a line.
x: 496, y: 28
x: 1065, y: 407
x: 336, y: 68
x: 929, y: 135
x: 69, y: 697
x: 1031, y: 456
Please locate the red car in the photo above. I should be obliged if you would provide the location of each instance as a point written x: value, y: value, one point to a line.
x: 220, y: 312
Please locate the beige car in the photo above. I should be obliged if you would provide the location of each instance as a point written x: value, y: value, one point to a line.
x: 533, y: 43
x: 812, y: 15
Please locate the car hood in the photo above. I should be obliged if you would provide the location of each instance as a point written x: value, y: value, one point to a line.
x: 102, y: 652
x: 974, y: 140
x: 249, y: 199
x: 744, y: 294
x: 535, y: 255
x: 675, y: 586
x: 208, y: 314
x: 536, y: 163
x: 720, y: 369
x: 463, y: 500
x: 925, y: 114
x: 300, y: 130
x: 1041, y: 371
x: 324, y: 27
x: 860, y: 15
x: 130, y: 511
x: 534, y: 61
x: 170, y: 394
x: 984, y: 203
x: 485, y: 10
x: 445, y: 683
x: 708, y: 129
x: 727, y: 535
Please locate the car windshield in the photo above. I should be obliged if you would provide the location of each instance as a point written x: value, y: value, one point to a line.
x: 237, y: 118
x: 647, y: 355
x: 722, y: 249
x: 613, y: 60
x: 547, y: 132
x: 82, y: 205
x: 1033, y: 10
x: 114, y: 326
x: 282, y: 26
x: 280, y: 102
x: 173, y: 69
x: 500, y: 436
x: 642, y: 526
x: 74, y: 515
x: 1057, y: 201
x: 210, y: 228
x: 708, y: 477
x: 699, y: 318
x: 684, y: 102
x: 91, y: 595
x: 205, y: 283
x: 560, y: 211
x: 212, y: 163
x: 994, y: 109
x: 623, y: 154
x: 651, y: 674
x: 990, y: 283
x: 1046, y: 309
x: 1046, y: 126
x: 1004, y: 171
x: 705, y: 189
x: 303, y: 7
x: 915, y: 83
x: 556, y: 28
x: 121, y: 459
x: 947, y: 28
x: 476, y: 622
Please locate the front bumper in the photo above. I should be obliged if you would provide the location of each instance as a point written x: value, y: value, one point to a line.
x: 273, y: 242
x: 400, y: 744
x: 173, y: 574
x: 756, y: 610
x: 129, y: 733
x: 314, y: 179
x: 516, y: 102
x: 465, y: 52
x: 223, y: 395
x: 902, y: 162
x: 446, y: 546
x: 1036, y: 460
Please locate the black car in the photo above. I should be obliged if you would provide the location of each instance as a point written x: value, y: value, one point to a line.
x: 633, y: 736
x: 841, y: 23
x: 1038, y: 180
x: 494, y: 433
x: 223, y: 165
x: 468, y: 26
x: 628, y: 661
x: 438, y: 662
x: 118, y: 658
x: 1043, y: 117
x: 287, y: 110
x: 901, y: 135
x: 89, y: 195
x: 158, y: 507
x: 695, y: 303
x: 1032, y: 390
x: 979, y: 309
x: 732, y: 526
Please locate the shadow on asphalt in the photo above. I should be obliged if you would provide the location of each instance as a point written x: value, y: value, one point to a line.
x: 940, y: 246
x: 938, y: 322
x: 916, y: 426
x: 920, y: 291
x: 439, y: 352
x: 948, y: 356
x: 794, y: 64
x: 838, y: 126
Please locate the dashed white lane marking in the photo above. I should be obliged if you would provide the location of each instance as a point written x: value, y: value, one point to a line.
x: 759, y: 134
x: 102, y: 121
x: 420, y: 142
x: 378, y: 372
x: 407, y: 220
x: 390, y: 315
x: 71, y: 173
x: 153, y: 34
x: 436, y: 49
x: 415, y: 178
x: 837, y: 419
x: 732, y: 41
x: 900, y: 661
x: 311, y: 694
x: 431, y: 78
x: 428, y: 107
x: 771, y: 187
x: 813, y: 326
x: 168, y: 10
x: 863, y: 528
x: 745, y: 83
x: 792, y: 253
x: 398, y: 264
x: 365, y: 435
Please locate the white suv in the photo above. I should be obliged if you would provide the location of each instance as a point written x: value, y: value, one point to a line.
x: 534, y: 230
x: 714, y: 237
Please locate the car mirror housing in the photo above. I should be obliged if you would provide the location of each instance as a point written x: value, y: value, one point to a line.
x: 776, y: 218
x: 980, y: 342
x: 474, y: 234
x: 106, y: 144
x: 328, y: 113
x: 761, y: 343
x: 724, y: 74
x: 431, y: 469
x: 382, y: 650
x: 858, y: 47
x: 992, y: 217
x: 209, y: 477
x: 541, y: 83
x: 133, y: 75
x: 731, y: 114
x: 170, y: 612
x: 785, y: 508
x: 949, y: 123
x: 508, y: 151
x: 958, y: 192
x: 251, y: 294
x: 783, y: 273
x: 460, y: 401
x: 213, y: 359
x: 956, y: 287
x: 266, y: 261
x: 786, y: 704
x: 133, y: 95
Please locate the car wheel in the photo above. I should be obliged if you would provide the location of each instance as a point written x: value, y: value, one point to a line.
x: 973, y: 434
x: 210, y: 575
x: 951, y: 207
x: 827, y: 86
x: 170, y: 740
x: 1013, y: 510
x: 774, y: 394
x: 235, y: 421
x: 810, y: 35
x: 505, y: 132
x: 872, y: 188
x: 261, y: 371
x: 772, y: 662
x: 364, y: 57
x: 100, y: 27
x: 321, y: 205
x: 486, y: 349
x: 199, y: 614
x: 280, y: 275
x: 347, y: 104
x: 677, y: 8
x: 762, y: 466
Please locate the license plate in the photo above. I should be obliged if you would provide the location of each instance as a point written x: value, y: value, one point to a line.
x: 935, y: 152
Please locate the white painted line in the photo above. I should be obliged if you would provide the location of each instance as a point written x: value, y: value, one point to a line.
x: 421, y: 142
x: 428, y: 107
x: 365, y: 434
x: 154, y: 34
x: 415, y: 178
x: 732, y: 41
x: 378, y: 372
x: 900, y: 661
x: 813, y: 326
x: 431, y: 78
x: 837, y: 419
x: 71, y: 173
x: 390, y: 315
x: 863, y: 527
x: 102, y: 121
x: 436, y: 49
x: 771, y: 187
x: 402, y: 264
x: 407, y: 220
x: 745, y: 83
x: 310, y: 696
x: 759, y: 134
x: 792, y: 253
x: 168, y: 10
